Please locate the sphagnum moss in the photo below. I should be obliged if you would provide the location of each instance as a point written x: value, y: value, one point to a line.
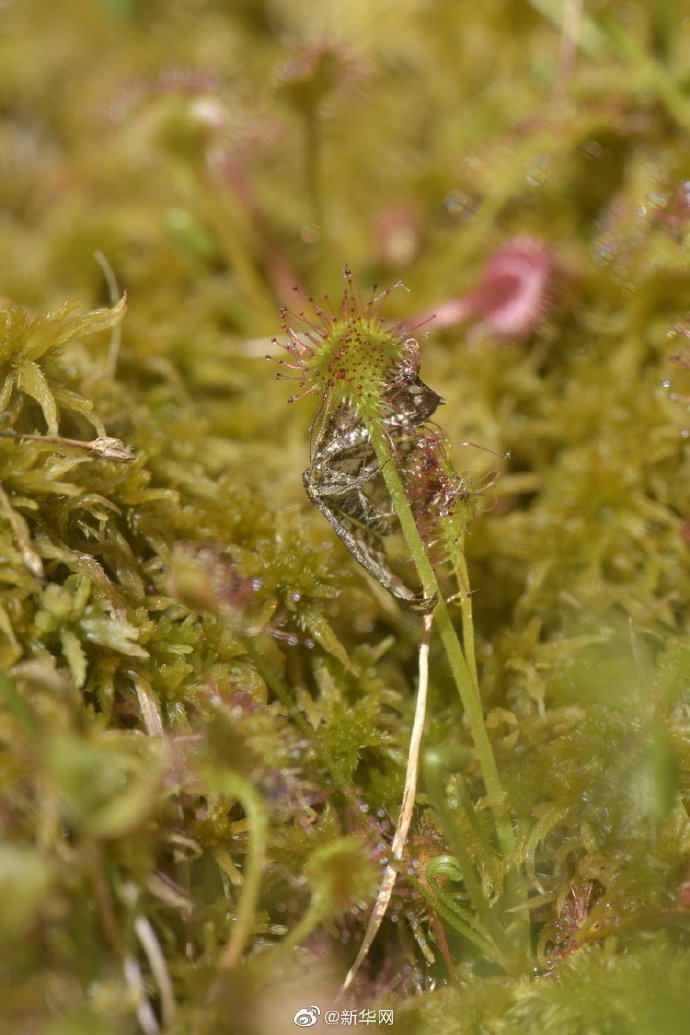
x: 215, y: 161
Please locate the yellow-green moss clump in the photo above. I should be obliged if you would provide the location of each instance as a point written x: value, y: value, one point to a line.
x: 204, y: 702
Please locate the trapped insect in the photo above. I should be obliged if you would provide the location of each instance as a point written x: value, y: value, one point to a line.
x: 344, y: 478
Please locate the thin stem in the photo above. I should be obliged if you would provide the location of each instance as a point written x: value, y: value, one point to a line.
x: 238, y: 788
x: 103, y: 446
x: 229, y: 213
x: 466, y: 868
x: 390, y: 873
x: 159, y: 968
x: 235, y: 787
x: 462, y: 674
x: 463, y: 581
x: 315, y: 914
x: 116, y: 333
x: 457, y: 923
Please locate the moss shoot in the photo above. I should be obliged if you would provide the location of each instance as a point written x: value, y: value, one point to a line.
x: 205, y: 702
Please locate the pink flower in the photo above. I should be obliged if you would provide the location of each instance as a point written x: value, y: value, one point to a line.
x: 511, y: 295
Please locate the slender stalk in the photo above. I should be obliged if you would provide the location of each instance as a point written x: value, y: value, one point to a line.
x: 315, y: 914
x: 466, y: 870
x: 567, y: 56
x: 234, y: 786
x: 451, y: 917
x: 390, y: 873
x: 460, y: 567
x: 462, y: 674
x: 110, y: 364
x: 159, y: 968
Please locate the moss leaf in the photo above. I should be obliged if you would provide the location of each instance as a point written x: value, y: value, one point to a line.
x: 115, y: 634
x: 32, y: 381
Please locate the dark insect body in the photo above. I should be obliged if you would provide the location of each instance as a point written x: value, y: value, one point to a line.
x: 344, y: 478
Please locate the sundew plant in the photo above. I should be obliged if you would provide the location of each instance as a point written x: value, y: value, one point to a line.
x: 460, y: 233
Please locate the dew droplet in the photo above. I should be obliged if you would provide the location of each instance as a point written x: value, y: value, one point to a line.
x: 458, y: 203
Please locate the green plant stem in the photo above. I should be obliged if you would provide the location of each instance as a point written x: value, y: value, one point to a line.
x: 462, y: 674
x: 313, y: 916
x: 453, y: 920
x: 462, y: 576
x: 235, y: 787
x: 464, y: 867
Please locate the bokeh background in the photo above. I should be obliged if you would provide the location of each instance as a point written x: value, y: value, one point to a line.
x: 205, y: 702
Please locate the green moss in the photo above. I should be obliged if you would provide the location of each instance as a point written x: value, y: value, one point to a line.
x: 204, y: 703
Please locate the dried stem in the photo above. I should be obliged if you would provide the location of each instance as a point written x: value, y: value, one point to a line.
x: 386, y: 888
x: 103, y: 446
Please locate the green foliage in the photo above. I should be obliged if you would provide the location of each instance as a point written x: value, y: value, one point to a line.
x: 204, y: 703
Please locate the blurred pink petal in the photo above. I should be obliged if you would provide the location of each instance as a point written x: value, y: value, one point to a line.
x: 511, y: 295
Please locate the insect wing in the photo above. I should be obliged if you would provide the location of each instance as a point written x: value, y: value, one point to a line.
x: 411, y: 403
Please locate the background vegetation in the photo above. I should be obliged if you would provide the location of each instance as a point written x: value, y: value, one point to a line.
x: 206, y: 703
